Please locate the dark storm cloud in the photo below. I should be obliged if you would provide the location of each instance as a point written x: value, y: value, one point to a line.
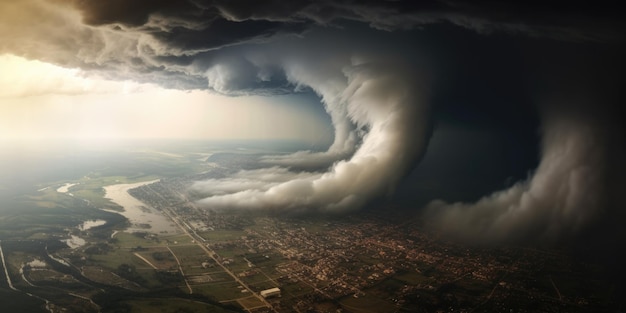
x: 138, y: 12
x: 566, y: 191
x: 188, y: 27
x: 375, y: 89
x: 222, y: 33
x: 579, y: 96
x: 564, y: 22
x: 271, y: 10
x: 147, y: 37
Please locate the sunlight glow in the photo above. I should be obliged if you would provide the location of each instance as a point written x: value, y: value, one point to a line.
x: 40, y: 100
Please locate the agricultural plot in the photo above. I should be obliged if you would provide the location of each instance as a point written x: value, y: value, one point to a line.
x: 295, y: 290
x: 160, y: 258
x: 267, y: 284
x: 218, y: 276
x: 413, y: 278
x: 104, y: 276
x: 222, y: 291
x: 191, y: 258
x: 253, y: 276
x: 366, y: 304
x: 128, y: 266
x: 222, y: 236
x: 114, y: 258
x: 171, y: 305
x: 126, y: 240
x: 250, y: 303
x: 230, y: 251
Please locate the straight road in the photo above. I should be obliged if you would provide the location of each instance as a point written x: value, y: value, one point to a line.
x: 200, y: 241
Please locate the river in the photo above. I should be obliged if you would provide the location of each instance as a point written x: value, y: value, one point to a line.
x: 141, y: 216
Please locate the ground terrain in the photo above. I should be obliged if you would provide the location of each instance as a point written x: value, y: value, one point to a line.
x: 373, y: 261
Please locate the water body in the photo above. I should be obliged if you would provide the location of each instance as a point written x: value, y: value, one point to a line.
x: 91, y: 224
x: 37, y: 263
x: 74, y: 242
x: 141, y: 216
x: 65, y: 188
x: 59, y: 260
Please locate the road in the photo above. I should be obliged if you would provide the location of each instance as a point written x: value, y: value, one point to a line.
x: 200, y: 241
x: 6, y: 271
x: 180, y: 268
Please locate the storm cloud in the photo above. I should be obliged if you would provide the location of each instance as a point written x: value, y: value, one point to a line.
x: 377, y: 92
x: 566, y: 191
x: 389, y: 110
x: 575, y: 183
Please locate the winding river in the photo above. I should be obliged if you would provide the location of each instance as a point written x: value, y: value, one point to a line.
x: 141, y: 216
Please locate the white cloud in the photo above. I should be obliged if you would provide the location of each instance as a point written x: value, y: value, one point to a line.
x: 390, y: 107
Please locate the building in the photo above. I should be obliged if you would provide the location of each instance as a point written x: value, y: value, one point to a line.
x: 272, y: 292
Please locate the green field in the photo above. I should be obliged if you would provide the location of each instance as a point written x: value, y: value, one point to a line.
x: 366, y: 304
x: 170, y: 305
x: 413, y: 278
x: 218, y: 236
x: 250, y: 302
x: 191, y: 257
x: 221, y: 291
x: 160, y: 257
x: 294, y: 290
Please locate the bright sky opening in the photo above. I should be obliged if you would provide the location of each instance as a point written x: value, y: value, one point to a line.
x: 44, y: 101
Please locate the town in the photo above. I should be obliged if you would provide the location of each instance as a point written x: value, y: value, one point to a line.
x: 366, y: 262
x: 167, y: 252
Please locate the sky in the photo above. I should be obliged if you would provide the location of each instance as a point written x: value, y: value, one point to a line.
x: 497, y: 122
x: 42, y: 101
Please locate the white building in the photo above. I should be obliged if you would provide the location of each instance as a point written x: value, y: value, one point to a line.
x: 270, y: 292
